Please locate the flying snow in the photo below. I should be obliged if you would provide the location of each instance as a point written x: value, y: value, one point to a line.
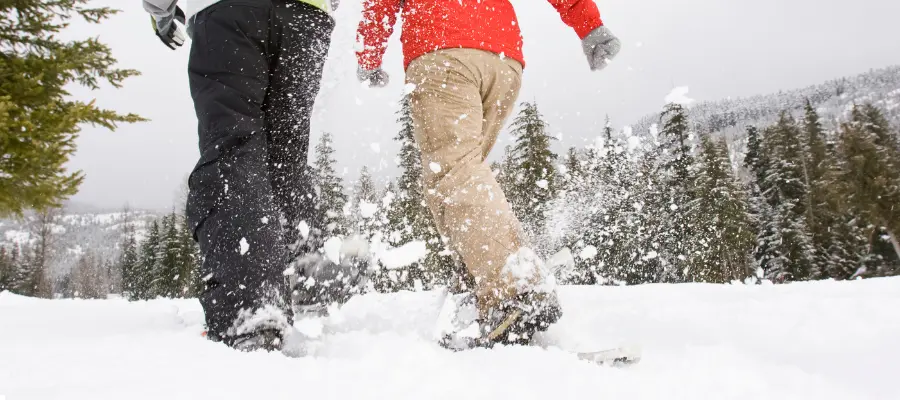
x: 376, y: 148
x: 303, y: 227
x: 245, y: 247
x: 588, y: 253
x: 435, y: 167
x: 332, y: 249
x: 679, y: 96
x: 366, y: 209
x: 404, y: 255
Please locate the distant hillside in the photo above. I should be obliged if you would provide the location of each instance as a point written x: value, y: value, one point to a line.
x: 77, y: 232
x: 832, y: 99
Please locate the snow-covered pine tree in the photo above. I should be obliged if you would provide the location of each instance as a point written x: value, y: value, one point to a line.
x: 814, y: 170
x: 365, y: 208
x: 605, y: 215
x: 189, y: 283
x: 6, y: 269
x: 725, y: 236
x: 846, y: 241
x: 641, y: 240
x: 535, y: 178
x: 127, y: 262
x: 332, y: 198
x: 789, y: 243
x: 143, y: 278
x: 505, y: 173
x: 573, y: 174
x: 678, y: 219
x: 578, y: 209
x: 867, y: 182
x: 756, y: 163
x: 883, y: 253
x: 24, y: 278
x: 165, y: 271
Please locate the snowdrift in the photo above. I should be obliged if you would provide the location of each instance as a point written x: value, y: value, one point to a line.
x: 820, y: 340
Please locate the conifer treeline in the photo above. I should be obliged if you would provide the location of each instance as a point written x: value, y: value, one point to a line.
x: 674, y: 205
x: 804, y: 204
x: 165, y: 263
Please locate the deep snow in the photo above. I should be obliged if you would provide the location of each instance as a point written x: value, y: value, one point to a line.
x: 822, y: 340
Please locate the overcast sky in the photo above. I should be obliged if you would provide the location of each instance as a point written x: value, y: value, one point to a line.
x: 719, y: 48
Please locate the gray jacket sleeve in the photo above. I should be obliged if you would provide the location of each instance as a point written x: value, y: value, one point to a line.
x: 160, y: 9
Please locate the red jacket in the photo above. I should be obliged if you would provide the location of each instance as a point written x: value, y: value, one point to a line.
x: 430, y: 25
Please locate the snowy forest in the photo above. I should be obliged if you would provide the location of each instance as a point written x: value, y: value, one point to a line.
x: 675, y: 199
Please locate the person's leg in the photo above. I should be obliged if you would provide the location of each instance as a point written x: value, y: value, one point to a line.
x: 468, y: 205
x: 500, y: 89
x: 303, y: 33
x: 230, y: 203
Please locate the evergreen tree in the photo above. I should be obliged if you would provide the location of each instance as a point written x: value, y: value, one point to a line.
x: 678, y: 218
x: 23, y: 280
x: 883, y: 255
x: 189, y: 283
x: 39, y: 119
x: 332, y: 198
x: 790, y: 252
x: 7, y: 270
x: 866, y: 182
x: 574, y: 172
x: 676, y: 145
x: 725, y: 238
x: 143, y: 279
x: 756, y: 163
x: 166, y: 269
x: 128, y: 260
x: 535, y: 183
x: 506, y: 174
x: 366, y: 204
x: 815, y: 168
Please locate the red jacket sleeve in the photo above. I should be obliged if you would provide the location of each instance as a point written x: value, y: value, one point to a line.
x: 374, y: 30
x: 581, y: 15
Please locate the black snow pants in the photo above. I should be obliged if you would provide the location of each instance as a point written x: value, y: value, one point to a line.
x: 255, y: 68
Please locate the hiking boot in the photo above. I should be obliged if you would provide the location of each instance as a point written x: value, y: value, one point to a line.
x: 266, y: 340
x: 515, y: 322
x: 263, y: 328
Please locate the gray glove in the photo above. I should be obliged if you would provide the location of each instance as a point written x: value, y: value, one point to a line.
x: 375, y: 77
x: 600, y: 46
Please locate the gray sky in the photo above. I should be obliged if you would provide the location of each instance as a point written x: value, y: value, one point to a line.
x: 719, y: 48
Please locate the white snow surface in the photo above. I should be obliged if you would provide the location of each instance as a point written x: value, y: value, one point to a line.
x: 820, y: 340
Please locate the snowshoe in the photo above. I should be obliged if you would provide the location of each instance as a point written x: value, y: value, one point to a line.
x: 514, y: 322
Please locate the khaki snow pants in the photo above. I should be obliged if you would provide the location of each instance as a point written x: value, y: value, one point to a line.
x: 462, y: 98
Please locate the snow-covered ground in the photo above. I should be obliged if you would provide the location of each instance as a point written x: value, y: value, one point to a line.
x: 824, y: 340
